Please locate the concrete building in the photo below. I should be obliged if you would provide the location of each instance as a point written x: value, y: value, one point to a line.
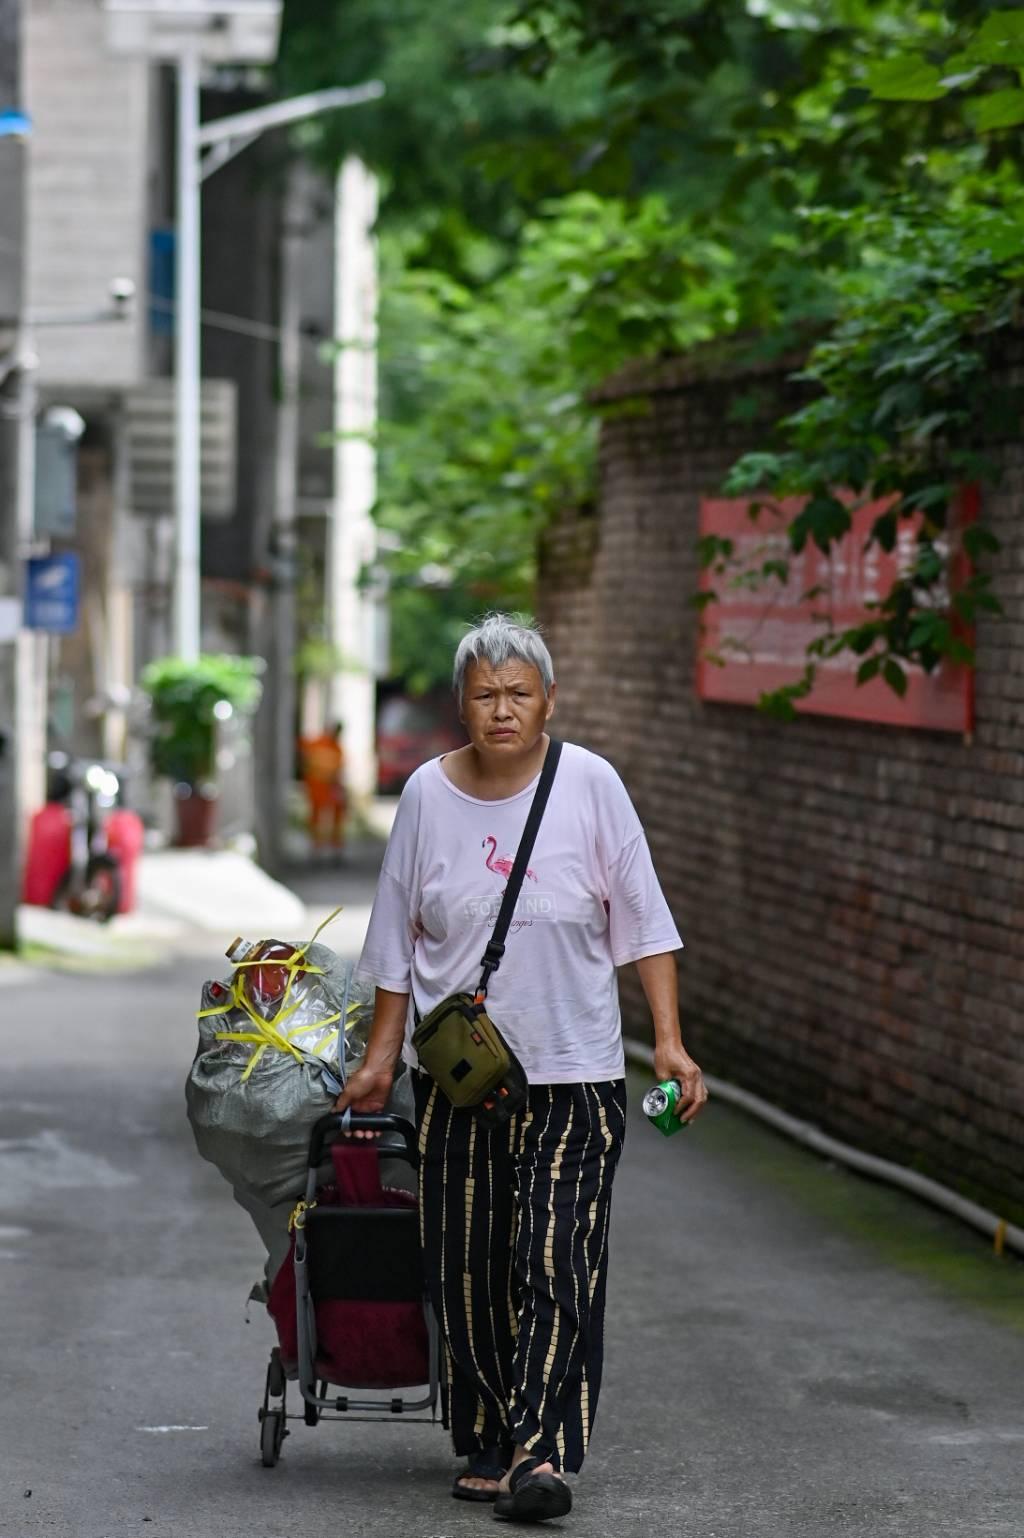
x: 13, y: 447
x: 87, y: 228
x: 100, y: 221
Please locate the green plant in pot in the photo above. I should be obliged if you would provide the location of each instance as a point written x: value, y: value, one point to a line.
x: 190, y: 701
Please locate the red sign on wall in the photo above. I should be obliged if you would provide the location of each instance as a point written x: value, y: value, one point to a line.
x: 756, y: 633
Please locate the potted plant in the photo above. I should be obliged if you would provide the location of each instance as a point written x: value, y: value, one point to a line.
x: 189, y: 701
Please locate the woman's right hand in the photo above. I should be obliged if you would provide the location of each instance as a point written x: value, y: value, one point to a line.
x: 370, y: 1086
x: 367, y: 1090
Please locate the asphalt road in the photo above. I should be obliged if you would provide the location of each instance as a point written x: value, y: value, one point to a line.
x: 789, y: 1350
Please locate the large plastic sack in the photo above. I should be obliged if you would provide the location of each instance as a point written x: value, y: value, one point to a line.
x: 276, y: 1041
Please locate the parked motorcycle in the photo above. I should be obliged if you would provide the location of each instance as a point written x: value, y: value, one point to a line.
x: 89, y: 789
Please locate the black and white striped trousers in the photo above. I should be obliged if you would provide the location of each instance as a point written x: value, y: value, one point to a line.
x: 514, y: 1225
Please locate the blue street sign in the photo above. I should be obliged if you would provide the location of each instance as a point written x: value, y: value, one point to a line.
x: 51, y: 593
x: 14, y: 124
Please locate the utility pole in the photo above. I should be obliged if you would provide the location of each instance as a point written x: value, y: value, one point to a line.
x: 352, y: 542
x: 187, y: 367
x: 277, y: 724
x: 14, y: 401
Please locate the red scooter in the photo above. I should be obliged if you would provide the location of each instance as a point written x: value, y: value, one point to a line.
x: 82, y: 846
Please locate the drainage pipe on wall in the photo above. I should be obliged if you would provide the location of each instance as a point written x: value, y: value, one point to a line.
x: 1004, y: 1235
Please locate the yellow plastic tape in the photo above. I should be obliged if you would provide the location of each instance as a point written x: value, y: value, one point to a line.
x: 268, y: 1033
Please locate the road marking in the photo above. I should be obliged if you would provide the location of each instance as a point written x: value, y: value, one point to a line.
x: 160, y: 1429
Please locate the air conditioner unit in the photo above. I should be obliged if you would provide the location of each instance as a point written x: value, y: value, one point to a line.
x: 151, y: 436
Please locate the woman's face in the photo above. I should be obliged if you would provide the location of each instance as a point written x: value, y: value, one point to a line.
x: 504, y: 709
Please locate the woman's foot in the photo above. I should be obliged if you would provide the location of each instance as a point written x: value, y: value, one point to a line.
x: 532, y: 1491
x: 470, y: 1487
x: 479, y: 1481
x: 520, y: 1457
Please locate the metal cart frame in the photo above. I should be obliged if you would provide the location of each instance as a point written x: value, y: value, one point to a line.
x: 319, y: 1403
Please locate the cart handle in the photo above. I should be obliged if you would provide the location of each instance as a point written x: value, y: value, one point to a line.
x: 358, y: 1121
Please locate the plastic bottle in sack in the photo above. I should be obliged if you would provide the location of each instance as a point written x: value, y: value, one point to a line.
x: 265, y: 986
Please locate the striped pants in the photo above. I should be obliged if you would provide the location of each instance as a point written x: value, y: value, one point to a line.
x: 514, y: 1225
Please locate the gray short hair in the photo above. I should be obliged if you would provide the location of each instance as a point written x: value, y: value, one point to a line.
x: 498, y: 639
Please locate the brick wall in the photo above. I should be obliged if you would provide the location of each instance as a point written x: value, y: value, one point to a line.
x: 850, y: 895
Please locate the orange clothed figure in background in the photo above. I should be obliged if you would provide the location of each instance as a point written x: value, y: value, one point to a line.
x: 323, y: 762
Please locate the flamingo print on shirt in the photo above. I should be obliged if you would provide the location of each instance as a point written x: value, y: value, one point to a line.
x: 502, y: 866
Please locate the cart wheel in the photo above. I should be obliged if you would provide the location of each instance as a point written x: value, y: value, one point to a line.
x: 275, y: 1375
x: 272, y: 1434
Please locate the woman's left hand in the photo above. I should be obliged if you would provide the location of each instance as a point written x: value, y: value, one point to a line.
x: 674, y: 1062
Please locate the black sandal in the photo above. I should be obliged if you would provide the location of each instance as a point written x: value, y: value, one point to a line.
x: 486, y: 1464
x: 533, y: 1497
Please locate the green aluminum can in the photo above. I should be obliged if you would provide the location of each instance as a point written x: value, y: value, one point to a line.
x: 660, y: 1105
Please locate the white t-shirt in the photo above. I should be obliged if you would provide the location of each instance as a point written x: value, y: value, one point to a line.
x: 590, y: 902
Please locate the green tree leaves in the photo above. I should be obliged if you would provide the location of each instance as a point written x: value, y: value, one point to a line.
x: 570, y: 185
x: 979, y: 71
x: 999, y: 109
x: 488, y: 431
x: 907, y: 78
x: 905, y: 388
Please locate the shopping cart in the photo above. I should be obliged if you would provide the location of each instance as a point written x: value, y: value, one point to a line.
x: 362, y: 1318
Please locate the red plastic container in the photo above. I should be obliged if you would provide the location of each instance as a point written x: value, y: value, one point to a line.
x: 125, y: 837
x: 48, y: 855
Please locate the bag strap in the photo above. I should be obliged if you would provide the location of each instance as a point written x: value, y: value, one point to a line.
x: 491, y: 959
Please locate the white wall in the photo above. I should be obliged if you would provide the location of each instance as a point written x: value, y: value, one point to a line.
x: 87, y: 191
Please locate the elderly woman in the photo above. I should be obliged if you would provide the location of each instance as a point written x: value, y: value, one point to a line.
x: 515, y: 1219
